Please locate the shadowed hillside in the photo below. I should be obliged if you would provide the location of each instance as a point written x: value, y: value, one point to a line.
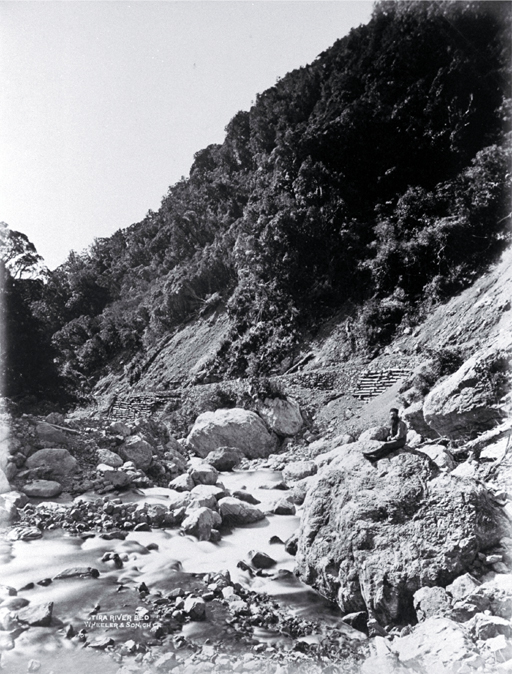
x: 371, y: 185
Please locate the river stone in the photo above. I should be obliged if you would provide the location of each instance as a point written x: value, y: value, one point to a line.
x: 235, y: 427
x: 8, y: 622
x: 260, y: 560
x: 137, y: 450
x: 438, y: 645
x: 25, y: 533
x: 57, y: 463
x: 372, y: 534
x: 36, y: 616
x: 14, y: 603
x: 200, y: 523
x: 283, y: 507
x: 237, y: 512
x: 204, y: 474
x: 6, y: 641
x: 78, y: 572
x: 195, y: 608
x: 225, y: 458
x: 281, y: 416
x: 242, y: 495
x: 110, y: 458
x: 465, y: 403
x: 182, y: 483
x: 117, y: 478
x: 4, y: 483
x: 297, y: 470
x: 7, y: 591
x: 206, y: 501
x: 42, y: 488
x: 178, y: 499
x: 47, y: 433
x: 202, y: 490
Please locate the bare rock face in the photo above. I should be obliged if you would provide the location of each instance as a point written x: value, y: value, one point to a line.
x: 466, y: 403
x: 235, y: 427
x: 282, y: 416
x: 373, y: 533
x: 138, y: 450
x: 57, y: 463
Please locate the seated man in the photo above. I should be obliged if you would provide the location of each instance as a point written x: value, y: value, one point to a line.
x: 396, y: 439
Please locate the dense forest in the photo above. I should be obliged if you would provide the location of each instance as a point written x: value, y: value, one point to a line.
x: 374, y: 181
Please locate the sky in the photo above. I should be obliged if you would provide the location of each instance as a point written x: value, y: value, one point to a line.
x: 104, y: 104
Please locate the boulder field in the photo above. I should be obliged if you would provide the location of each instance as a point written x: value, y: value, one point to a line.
x: 373, y: 533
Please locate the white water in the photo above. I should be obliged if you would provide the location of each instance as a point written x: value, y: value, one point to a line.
x: 74, y: 599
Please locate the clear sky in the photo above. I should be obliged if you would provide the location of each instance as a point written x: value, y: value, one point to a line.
x: 104, y: 104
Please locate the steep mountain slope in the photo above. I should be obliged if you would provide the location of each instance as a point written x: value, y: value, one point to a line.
x: 368, y: 187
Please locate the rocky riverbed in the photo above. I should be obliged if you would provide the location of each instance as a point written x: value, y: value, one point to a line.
x: 257, y: 544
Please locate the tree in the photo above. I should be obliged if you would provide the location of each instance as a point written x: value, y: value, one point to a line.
x: 18, y: 253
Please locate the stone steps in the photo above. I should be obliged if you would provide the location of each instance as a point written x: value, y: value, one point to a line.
x: 373, y: 383
x: 136, y: 405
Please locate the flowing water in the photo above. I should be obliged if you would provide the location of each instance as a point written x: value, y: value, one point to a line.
x: 177, y: 557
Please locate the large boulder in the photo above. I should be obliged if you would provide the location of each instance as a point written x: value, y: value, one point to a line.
x: 373, y: 533
x: 467, y: 402
x: 235, y: 427
x: 282, y: 416
x: 138, y: 450
x: 57, y: 463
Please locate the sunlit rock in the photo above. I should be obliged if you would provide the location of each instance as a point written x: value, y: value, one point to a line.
x: 235, y: 427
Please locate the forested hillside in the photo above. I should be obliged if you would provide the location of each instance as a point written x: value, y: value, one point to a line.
x: 375, y: 180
